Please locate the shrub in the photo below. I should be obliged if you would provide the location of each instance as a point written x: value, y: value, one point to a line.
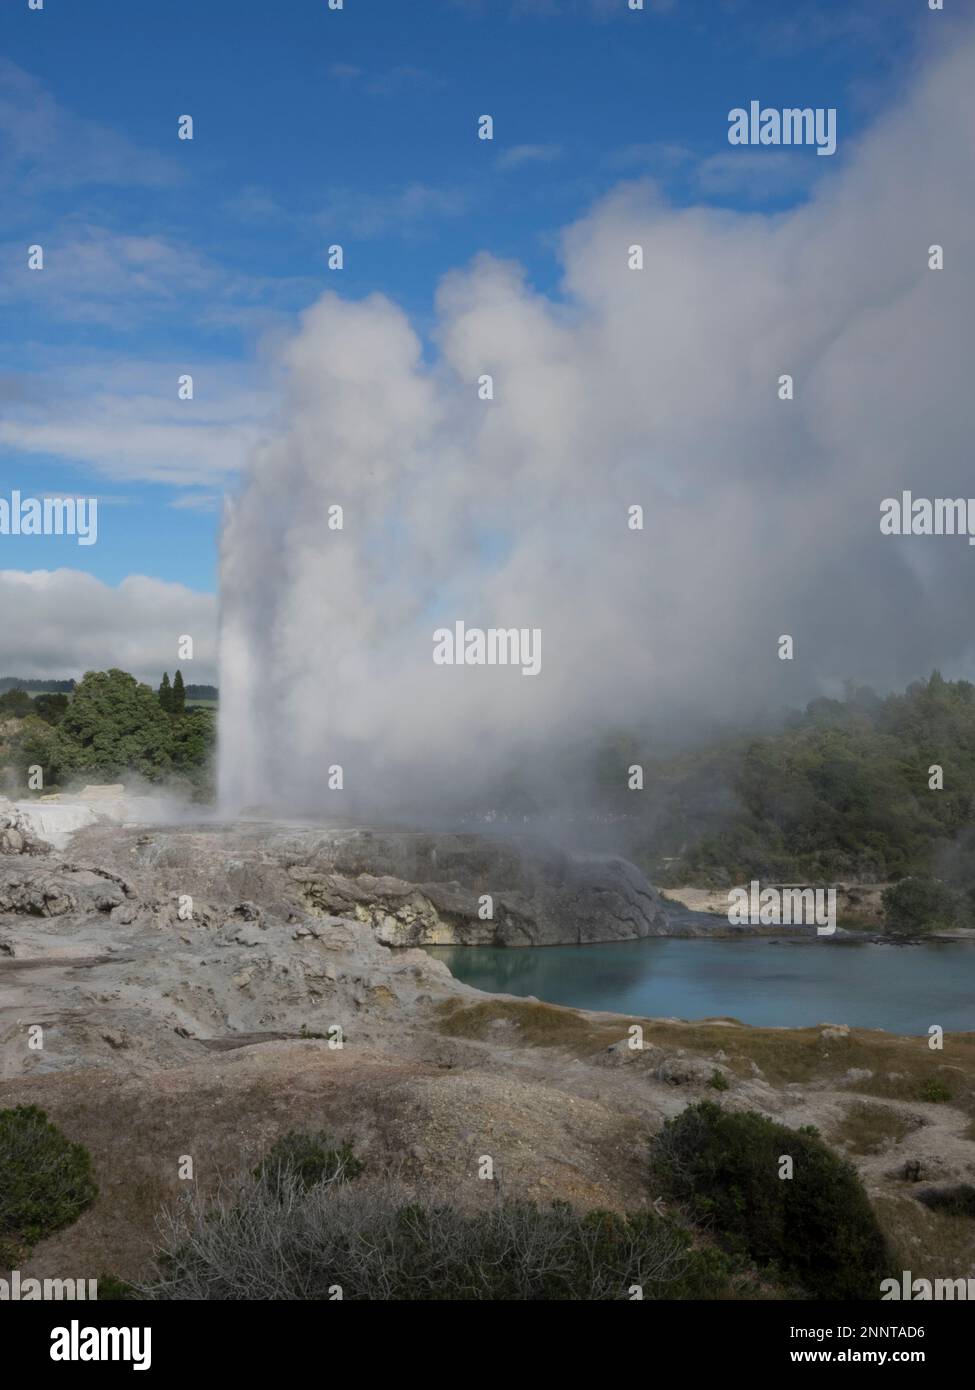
x: 919, y: 905
x: 283, y: 1240
x: 112, y: 1289
x: 953, y: 1201
x: 46, y: 1181
x: 718, y: 1081
x: 310, y: 1158
x: 816, y: 1230
x: 934, y: 1090
x: 868, y: 1129
x: 51, y: 707
x: 15, y: 704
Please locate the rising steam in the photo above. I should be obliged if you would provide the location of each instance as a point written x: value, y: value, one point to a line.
x: 655, y: 387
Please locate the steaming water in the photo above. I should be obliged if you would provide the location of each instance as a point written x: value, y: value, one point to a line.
x: 903, y: 989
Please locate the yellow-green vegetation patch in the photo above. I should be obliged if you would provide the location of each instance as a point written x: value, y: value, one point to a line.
x: 864, y: 1061
x: 932, y: 1244
x: 867, y: 1128
x: 901, y: 1068
x: 540, y: 1025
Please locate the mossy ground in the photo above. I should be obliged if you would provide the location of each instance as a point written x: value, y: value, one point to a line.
x: 901, y: 1068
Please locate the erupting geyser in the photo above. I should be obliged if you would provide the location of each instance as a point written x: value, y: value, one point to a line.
x: 633, y: 488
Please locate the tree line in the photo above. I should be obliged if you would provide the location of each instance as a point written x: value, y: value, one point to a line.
x: 193, y: 692
x: 112, y: 726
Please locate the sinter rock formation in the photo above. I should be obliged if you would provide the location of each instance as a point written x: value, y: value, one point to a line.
x: 413, y: 888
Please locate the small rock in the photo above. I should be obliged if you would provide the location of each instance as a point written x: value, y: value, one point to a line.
x: 109, y: 897
x: 684, y: 1071
x: 248, y: 935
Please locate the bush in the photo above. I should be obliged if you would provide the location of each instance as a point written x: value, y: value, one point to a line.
x: 310, y: 1158
x: 917, y: 905
x: 51, y: 708
x: 46, y: 1181
x: 112, y: 1289
x: 33, y: 745
x: 869, y: 1129
x: 816, y: 1230
x: 953, y: 1201
x: 15, y: 704
x: 282, y: 1240
x: 934, y: 1091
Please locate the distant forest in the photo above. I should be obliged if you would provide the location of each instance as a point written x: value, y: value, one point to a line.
x: 18, y: 683
x: 66, y: 687
x: 863, y: 789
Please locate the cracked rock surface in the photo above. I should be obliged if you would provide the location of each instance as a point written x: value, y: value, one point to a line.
x: 414, y: 888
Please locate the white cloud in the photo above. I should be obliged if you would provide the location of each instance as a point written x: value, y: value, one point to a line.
x: 92, y: 273
x: 659, y: 154
x: 520, y: 155
x: 61, y: 623
x: 253, y: 204
x: 400, y: 79
x: 408, y: 210
x: 56, y: 149
x: 198, y: 502
x: 757, y: 175
x: 95, y: 275
x: 125, y: 421
x: 388, y: 82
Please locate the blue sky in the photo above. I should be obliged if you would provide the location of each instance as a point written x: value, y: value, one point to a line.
x: 311, y: 127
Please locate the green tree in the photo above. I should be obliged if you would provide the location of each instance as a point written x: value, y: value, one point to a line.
x: 51, y: 708
x: 34, y: 745
x: 15, y: 704
x: 920, y: 904
x: 845, y: 790
x: 166, y: 694
x: 178, y: 705
x: 114, y: 725
x: 192, y: 743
